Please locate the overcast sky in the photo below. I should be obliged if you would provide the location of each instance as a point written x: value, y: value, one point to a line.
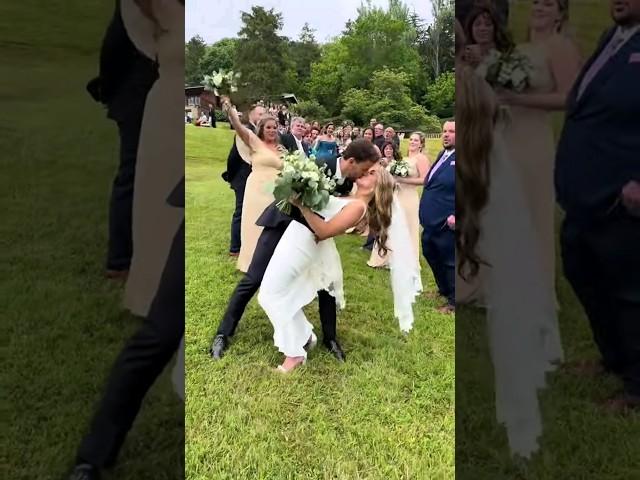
x: 217, y: 19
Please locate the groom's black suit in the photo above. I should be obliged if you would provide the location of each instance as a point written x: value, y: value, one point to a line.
x: 275, y: 223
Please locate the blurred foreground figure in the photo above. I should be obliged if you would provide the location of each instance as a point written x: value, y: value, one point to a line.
x: 598, y: 185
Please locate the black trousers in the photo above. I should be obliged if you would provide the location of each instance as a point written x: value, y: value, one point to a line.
x: 438, y: 247
x: 120, y: 244
x: 250, y: 283
x: 238, y: 185
x: 139, y: 364
x: 602, y: 263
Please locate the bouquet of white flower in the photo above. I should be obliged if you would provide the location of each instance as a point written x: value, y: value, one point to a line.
x: 302, y: 178
x: 399, y: 168
x: 510, y: 70
x: 224, y: 82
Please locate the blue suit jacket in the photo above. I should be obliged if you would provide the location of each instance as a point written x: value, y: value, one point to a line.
x: 599, y: 150
x: 438, y: 199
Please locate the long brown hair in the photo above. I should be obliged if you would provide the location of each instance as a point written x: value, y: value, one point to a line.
x: 379, y: 209
x: 476, y: 113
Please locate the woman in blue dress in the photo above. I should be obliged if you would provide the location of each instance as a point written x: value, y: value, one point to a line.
x: 326, y: 146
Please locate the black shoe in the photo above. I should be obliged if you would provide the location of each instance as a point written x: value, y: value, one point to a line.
x: 218, y: 347
x: 84, y: 471
x: 334, y: 347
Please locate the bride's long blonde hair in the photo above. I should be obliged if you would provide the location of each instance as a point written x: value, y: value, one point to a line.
x: 379, y: 209
x: 475, y: 115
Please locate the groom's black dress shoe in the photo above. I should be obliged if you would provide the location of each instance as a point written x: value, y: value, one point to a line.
x: 334, y: 347
x: 218, y: 347
x: 84, y: 472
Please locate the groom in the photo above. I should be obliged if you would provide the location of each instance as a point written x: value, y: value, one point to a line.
x: 597, y: 180
x: 357, y: 159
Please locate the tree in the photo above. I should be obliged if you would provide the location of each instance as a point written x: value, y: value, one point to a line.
x: 441, y: 94
x: 387, y: 99
x: 375, y: 40
x: 194, y: 51
x: 301, y: 55
x: 440, y: 41
x: 261, y: 55
x: 219, y: 56
x: 311, y: 111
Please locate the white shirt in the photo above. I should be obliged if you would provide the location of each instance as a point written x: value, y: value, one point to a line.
x: 299, y: 143
x: 338, y: 173
x: 619, y: 38
x: 443, y: 158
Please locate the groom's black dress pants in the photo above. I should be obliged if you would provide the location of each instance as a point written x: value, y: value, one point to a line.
x: 602, y: 263
x: 251, y: 281
x: 139, y: 364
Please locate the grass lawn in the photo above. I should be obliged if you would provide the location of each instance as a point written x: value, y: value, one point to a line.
x: 387, y: 413
x: 62, y: 322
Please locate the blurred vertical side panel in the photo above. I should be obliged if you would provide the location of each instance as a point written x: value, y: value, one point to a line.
x: 548, y: 207
x: 92, y: 247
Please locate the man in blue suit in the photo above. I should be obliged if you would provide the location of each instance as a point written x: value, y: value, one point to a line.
x: 597, y: 180
x: 437, y: 217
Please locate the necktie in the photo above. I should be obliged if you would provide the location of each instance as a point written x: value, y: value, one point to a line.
x: 601, y: 61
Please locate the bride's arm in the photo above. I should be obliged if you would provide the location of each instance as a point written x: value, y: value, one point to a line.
x: 565, y: 63
x: 348, y: 217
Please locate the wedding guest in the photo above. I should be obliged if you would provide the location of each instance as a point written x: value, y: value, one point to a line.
x: 367, y: 134
x: 389, y: 154
x: 283, y: 115
x: 378, y: 135
x: 237, y: 173
x: 294, y: 141
x: 315, y: 132
x: 484, y: 32
x: 597, y: 178
x: 125, y: 78
x: 355, y: 133
x: 407, y: 194
x: 372, y: 123
x: 326, y: 146
x: 391, y: 137
x: 437, y: 217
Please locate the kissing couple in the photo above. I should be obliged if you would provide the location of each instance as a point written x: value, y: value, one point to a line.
x: 296, y: 258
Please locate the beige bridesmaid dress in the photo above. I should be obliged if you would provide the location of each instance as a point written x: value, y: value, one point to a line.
x: 409, y: 199
x: 160, y: 162
x: 257, y: 197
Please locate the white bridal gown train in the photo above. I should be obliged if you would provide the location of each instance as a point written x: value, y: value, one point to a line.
x: 522, y: 324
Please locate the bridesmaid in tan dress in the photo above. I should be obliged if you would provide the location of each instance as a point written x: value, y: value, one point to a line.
x: 156, y: 27
x: 266, y: 162
x: 408, y: 195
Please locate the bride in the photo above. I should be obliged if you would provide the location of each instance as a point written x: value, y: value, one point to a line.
x: 495, y: 227
x: 306, y: 260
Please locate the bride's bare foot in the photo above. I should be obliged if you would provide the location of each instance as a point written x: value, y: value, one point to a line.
x: 290, y: 363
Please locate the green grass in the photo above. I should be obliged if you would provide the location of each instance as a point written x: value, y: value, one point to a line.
x: 62, y: 322
x: 387, y: 413
x: 580, y: 440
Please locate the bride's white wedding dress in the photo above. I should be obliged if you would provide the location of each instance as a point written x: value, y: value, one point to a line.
x: 522, y: 324
x: 300, y: 267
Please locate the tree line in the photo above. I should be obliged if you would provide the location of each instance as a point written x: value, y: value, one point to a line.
x: 387, y: 63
